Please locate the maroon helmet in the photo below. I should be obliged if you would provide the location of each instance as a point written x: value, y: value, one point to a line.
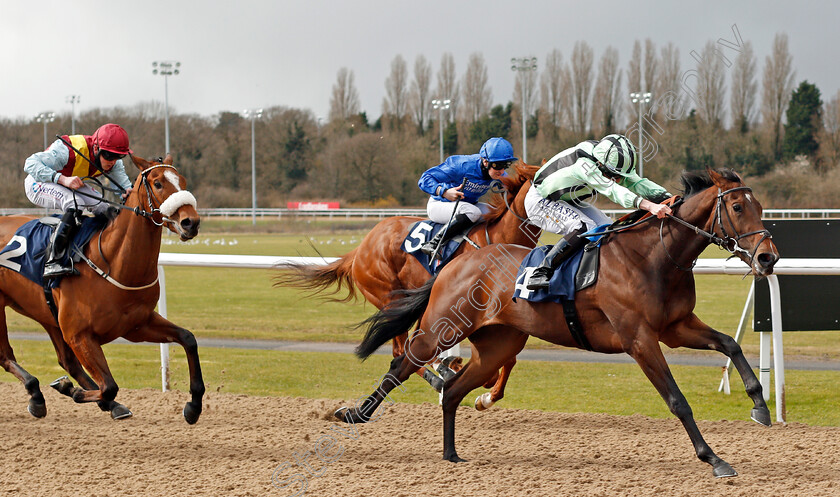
x: 113, y: 138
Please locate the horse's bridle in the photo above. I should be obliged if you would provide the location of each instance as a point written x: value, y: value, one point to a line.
x: 149, y: 214
x: 726, y: 242
x: 138, y: 211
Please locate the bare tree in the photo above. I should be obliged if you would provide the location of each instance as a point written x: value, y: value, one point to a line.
x: 651, y: 66
x: 421, y: 91
x: 634, y: 76
x: 396, y: 90
x: 529, y: 80
x: 667, y: 88
x: 776, y: 91
x: 711, y: 86
x: 582, y: 61
x: 345, y: 98
x: 552, y: 89
x: 478, y: 98
x: 448, y: 86
x: 606, y: 107
x: 568, y: 100
x: 744, y: 88
x: 829, y: 136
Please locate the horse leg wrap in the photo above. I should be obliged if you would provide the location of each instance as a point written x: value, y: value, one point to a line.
x: 484, y: 401
x: 433, y: 380
x: 444, y: 371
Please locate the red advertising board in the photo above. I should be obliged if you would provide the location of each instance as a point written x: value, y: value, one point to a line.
x: 312, y: 206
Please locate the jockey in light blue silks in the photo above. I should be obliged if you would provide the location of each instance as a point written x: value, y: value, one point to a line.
x: 444, y: 183
x: 54, y: 175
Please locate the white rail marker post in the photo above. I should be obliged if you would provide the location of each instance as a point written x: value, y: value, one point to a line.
x: 164, y: 347
x: 778, y: 348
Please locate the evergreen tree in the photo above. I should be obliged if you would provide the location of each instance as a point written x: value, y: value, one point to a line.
x: 497, y: 123
x: 804, y: 120
x: 450, y: 138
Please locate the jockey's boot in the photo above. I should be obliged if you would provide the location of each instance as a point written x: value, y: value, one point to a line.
x: 558, y: 253
x: 58, y: 246
x: 459, y: 224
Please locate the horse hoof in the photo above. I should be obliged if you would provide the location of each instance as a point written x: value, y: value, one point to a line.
x: 37, y: 410
x: 347, y: 415
x: 120, y: 412
x: 63, y: 385
x: 724, y: 470
x: 761, y: 416
x: 453, y: 458
x: 484, y: 402
x: 191, y: 413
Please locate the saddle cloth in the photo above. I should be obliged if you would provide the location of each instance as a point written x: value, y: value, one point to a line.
x: 26, y: 251
x: 575, y: 273
x: 423, y: 231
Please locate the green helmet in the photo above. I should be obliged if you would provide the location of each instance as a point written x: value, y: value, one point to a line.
x: 616, y: 153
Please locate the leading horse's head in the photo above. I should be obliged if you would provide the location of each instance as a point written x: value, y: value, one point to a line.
x: 513, y: 183
x: 161, y: 192
x: 737, y: 218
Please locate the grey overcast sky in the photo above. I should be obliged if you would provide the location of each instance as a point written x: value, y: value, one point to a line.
x: 260, y: 53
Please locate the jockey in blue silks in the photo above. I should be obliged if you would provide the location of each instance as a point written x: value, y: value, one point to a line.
x: 458, y: 183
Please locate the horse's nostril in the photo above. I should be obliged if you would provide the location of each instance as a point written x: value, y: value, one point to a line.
x: 189, y: 224
x: 767, y: 259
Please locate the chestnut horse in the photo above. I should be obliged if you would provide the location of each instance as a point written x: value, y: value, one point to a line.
x: 95, y: 308
x: 378, y: 267
x: 644, y: 295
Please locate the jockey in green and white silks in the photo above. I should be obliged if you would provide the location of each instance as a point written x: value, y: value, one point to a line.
x: 557, y: 200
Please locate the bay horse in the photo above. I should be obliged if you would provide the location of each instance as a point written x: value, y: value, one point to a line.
x: 97, y: 307
x: 378, y: 267
x: 644, y: 295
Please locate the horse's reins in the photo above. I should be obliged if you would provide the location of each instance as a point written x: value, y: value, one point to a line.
x: 138, y: 211
x: 726, y: 242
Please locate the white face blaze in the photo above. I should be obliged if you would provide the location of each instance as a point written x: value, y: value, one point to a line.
x: 177, y: 199
x: 749, y: 198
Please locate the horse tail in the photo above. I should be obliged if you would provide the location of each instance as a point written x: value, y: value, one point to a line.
x: 318, y: 279
x: 396, y: 318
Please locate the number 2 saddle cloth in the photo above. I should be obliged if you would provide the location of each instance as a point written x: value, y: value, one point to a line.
x: 25, y: 253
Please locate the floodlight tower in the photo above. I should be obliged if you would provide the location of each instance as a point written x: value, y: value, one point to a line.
x: 523, y: 64
x: 166, y: 68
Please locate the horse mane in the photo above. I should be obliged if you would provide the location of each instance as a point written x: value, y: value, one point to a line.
x: 513, y: 183
x: 694, y: 182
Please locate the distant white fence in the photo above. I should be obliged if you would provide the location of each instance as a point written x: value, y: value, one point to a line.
x: 278, y: 213
x: 704, y: 266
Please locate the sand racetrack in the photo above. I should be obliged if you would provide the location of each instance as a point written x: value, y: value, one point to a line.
x: 241, y: 441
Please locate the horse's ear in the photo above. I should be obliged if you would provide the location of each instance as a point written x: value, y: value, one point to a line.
x: 141, y: 163
x: 720, y: 180
x: 168, y: 160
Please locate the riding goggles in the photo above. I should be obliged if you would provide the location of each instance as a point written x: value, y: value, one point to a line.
x: 110, y: 156
x: 501, y: 165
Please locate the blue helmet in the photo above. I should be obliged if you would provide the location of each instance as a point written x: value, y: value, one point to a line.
x: 497, y: 150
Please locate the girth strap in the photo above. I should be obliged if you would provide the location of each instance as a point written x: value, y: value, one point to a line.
x: 50, y: 300
x: 573, y: 322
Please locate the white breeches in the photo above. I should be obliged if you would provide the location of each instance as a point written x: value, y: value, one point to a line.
x: 441, y: 212
x: 561, y: 217
x: 55, y: 196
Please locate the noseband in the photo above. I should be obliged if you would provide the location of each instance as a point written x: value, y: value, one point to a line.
x: 149, y: 196
x: 726, y: 241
